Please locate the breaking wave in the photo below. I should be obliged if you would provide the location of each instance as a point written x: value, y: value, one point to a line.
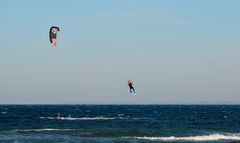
x: 40, y: 130
x: 82, y: 118
x: 212, y: 137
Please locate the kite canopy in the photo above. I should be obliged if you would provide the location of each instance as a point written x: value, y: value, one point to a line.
x: 53, y: 34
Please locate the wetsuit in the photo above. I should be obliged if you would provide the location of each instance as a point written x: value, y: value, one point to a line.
x: 131, y: 87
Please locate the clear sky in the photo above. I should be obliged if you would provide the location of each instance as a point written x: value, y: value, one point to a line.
x: 175, y: 51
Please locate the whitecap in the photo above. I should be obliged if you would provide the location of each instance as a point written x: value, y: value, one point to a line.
x: 212, y: 137
x: 51, y: 118
x: 82, y: 118
x: 40, y: 130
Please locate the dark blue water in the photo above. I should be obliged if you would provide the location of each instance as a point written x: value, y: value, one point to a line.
x: 119, y: 123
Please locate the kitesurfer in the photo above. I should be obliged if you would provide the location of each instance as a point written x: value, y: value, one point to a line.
x: 53, y: 35
x: 131, y: 86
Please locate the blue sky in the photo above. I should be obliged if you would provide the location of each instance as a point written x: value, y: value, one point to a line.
x: 174, y: 51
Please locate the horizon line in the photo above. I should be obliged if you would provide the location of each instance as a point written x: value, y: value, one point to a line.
x: 119, y: 104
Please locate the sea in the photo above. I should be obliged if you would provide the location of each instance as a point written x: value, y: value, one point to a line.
x: 119, y: 123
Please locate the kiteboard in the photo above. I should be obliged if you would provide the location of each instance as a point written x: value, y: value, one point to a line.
x: 132, y: 93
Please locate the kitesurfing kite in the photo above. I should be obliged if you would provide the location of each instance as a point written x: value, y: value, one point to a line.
x: 53, y: 35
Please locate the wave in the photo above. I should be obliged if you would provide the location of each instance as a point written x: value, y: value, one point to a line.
x: 212, y: 137
x: 94, y: 118
x: 40, y: 130
x: 82, y: 118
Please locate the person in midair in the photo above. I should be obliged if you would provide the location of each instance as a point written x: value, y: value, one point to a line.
x: 131, y: 86
x: 53, y: 35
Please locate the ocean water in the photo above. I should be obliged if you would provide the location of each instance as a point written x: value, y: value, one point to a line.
x: 119, y: 124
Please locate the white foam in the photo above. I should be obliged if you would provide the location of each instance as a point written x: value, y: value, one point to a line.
x: 212, y: 137
x: 93, y: 118
x: 40, y: 130
x: 82, y: 118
